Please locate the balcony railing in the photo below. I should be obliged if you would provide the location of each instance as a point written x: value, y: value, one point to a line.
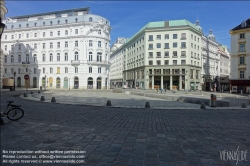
x: 75, y: 62
x: 25, y: 62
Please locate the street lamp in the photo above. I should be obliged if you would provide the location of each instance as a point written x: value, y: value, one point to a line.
x: 14, y: 80
x: 45, y: 82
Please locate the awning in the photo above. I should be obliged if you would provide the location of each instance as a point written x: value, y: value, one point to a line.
x: 240, y: 82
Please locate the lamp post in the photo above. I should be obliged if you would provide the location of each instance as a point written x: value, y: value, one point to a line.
x: 2, y: 26
x: 45, y: 83
x: 14, y: 80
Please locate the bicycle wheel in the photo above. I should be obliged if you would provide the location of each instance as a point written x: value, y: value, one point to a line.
x: 15, y: 114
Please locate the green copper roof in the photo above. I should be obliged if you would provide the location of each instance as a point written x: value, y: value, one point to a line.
x: 158, y: 24
x: 175, y: 23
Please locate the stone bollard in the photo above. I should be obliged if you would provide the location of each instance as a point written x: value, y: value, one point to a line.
x: 31, y: 92
x: 25, y: 95
x: 109, y: 103
x: 203, y: 106
x: 38, y: 91
x: 243, y: 105
x: 42, y: 98
x: 147, y: 105
x: 53, y: 99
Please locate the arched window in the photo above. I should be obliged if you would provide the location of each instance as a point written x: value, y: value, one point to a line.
x: 5, y: 59
x: 99, y: 57
x: 27, y: 58
x: 76, y: 55
x: 44, y: 58
x: 12, y: 59
x: 76, y: 19
x: 35, y: 58
x: 58, y: 56
x: 90, y: 56
x: 66, y: 56
x: 90, y: 19
x: 19, y: 58
x: 51, y: 57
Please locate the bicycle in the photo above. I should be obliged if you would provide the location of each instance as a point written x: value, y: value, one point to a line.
x: 14, y: 113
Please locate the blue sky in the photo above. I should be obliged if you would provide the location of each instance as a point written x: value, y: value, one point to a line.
x: 127, y: 17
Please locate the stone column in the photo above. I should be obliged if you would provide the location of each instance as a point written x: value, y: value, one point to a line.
x: 171, y: 82
x: 180, y: 83
x: 162, y: 82
x: 153, y: 82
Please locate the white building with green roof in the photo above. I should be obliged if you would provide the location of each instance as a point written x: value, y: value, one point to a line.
x: 164, y: 54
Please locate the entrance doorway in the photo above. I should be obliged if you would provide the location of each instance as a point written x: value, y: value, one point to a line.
x: 99, y: 83
x: 90, y: 83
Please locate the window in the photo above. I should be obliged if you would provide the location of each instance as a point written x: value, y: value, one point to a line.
x: 194, y: 38
x: 51, y: 33
x: 158, y: 62
x: 5, y: 37
x: 27, y: 35
x: 99, y: 32
x: 66, y: 70
x: 35, y: 34
x: 99, y: 44
x: 43, y: 70
x: 43, y: 34
x: 12, y: 59
x: 66, y: 57
x: 51, y: 70
x: 66, y: 21
x: 12, y: 36
x: 90, y: 19
x: 76, y: 69
x: 19, y: 36
x: 158, y: 54
x: 58, y: 22
x: 5, y: 48
x: 183, y: 53
x: 242, y: 47
x: 166, y: 45
x: 19, y: 70
x: 166, y: 54
x: 44, y: 58
x: 34, y: 70
x: 5, y: 59
x: 19, y: 46
x: 174, y: 62
x: 90, y: 43
x: 5, y: 71
x: 99, y: 70
x: 66, y: 32
x: 58, y: 33
x: 12, y: 70
x: 183, y: 44
x: 66, y: 44
x: 12, y: 47
x: 242, y: 74
x: 90, y: 56
x: 51, y: 45
x: 76, y: 31
x: 76, y: 55
x: 27, y: 58
x: 51, y: 22
x: 51, y: 57
x: 76, y: 19
x: 58, y: 57
x: 174, y: 44
x: 183, y: 36
x: 242, y: 36
x: 174, y: 36
x: 150, y: 54
x: 150, y: 38
x: 58, y: 44
x: 158, y: 37
x: 35, y: 58
x: 43, y: 23
x: 242, y: 60
x: 150, y: 62
x: 19, y: 25
x: 191, y: 45
x: 166, y: 62
x: 99, y: 57
x: 44, y: 46
x: 19, y: 58
x: 174, y: 53
x: 90, y: 69
x: 35, y: 46
x: 12, y: 26
x: 158, y: 45
x: 183, y: 62
x: 191, y: 36
x: 150, y: 46
x: 76, y: 43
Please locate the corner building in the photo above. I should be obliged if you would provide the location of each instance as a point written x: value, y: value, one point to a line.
x: 61, y: 49
x: 164, y: 54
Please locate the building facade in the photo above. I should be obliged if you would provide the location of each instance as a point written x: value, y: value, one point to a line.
x: 2, y: 16
x: 163, y: 54
x: 225, y: 58
x: 240, y: 57
x: 62, y: 49
x: 116, y: 63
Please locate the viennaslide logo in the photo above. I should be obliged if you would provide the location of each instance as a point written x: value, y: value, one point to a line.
x: 233, y: 155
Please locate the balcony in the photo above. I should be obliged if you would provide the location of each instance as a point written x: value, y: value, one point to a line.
x: 99, y: 62
x: 25, y: 62
x: 242, y: 66
x: 183, y: 38
x: 75, y: 62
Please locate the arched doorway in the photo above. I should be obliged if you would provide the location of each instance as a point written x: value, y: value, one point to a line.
x: 76, y: 82
x: 43, y: 82
x: 18, y: 82
x: 98, y: 83
x: 65, y: 83
x: 50, y: 82
x: 58, y: 82
x: 27, y: 83
x: 34, y: 82
x: 90, y: 83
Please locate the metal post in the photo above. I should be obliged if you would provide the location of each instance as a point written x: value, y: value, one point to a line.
x: 45, y: 82
x: 14, y: 81
x: 69, y: 83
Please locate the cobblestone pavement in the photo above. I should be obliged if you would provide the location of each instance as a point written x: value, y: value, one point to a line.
x: 128, y: 136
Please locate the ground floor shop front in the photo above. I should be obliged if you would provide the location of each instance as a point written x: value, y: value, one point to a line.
x: 240, y: 86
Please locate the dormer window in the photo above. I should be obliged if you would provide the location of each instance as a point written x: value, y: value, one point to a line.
x: 243, y: 24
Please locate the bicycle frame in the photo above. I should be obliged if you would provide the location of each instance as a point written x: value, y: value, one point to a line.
x: 8, y: 106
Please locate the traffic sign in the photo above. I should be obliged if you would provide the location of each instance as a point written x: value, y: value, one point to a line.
x: 26, y: 77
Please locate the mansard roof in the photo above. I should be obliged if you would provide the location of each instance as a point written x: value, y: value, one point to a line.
x: 247, y: 22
